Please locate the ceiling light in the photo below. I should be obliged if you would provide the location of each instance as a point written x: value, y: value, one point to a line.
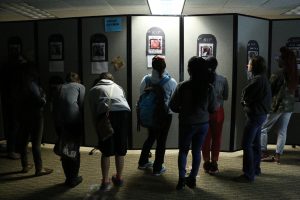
x: 294, y: 11
x: 27, y: 10
x: 166, y: 7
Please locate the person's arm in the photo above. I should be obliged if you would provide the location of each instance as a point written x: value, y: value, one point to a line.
x: 143, y: 85
x: 212, y: 100
x: 225, y: 90
x: 174, y: 103
x: 251, y: 93
x: 38, y: 95
x: 81, y: 95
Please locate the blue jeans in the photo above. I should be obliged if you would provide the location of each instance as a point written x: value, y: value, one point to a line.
x: 251, y: 145
x: 277, y: 122
x: 31, y: 127
x: 191, y: 134
x: 160, y: 136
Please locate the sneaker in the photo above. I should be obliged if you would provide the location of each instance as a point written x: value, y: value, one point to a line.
x: 44, y: 171
x: 190, y: 182
x: 145, y: 166
x: 105, y: 187
x: 264, y: 156
x: 13, y: 156
x: 116, y: 181
x: 213, y: 168
x: 158, y: 173
x: 74, y: 181
x: 206, y: 166
x: 181, y: 184
x: 276, y: 158
x: 27, y: 168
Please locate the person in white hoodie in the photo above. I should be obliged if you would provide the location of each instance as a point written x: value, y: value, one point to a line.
x: 119, y: 114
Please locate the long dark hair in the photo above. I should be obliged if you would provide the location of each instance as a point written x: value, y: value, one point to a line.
x: 258, y: 65
x: 200, y: 78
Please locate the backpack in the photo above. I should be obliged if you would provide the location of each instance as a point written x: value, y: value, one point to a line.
x: 151, y: 108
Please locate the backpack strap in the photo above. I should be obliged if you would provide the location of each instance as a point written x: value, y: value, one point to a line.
x: 148, y: 80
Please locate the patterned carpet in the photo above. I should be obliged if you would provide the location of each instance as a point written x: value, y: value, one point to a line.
x: 276, y: 182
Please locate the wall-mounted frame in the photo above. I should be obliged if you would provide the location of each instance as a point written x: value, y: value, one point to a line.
x: 155, y: 41
x: 14, y: 47
x: 99, y: 48
x: 155, y: 44
x: 206, y: 45
x: 293, y: 44
x: 252, y: 49
x: 56, y: 47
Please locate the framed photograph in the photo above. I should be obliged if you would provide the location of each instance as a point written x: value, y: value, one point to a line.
x: 14, y: 46
x: 155, y: 44
x: 293, y: 44
x: 206, y: 45
x: 155, y: 41
x: 14, y: 49
x: 98, y: 48
x: 56, y: 49
x: 206, y: 49
x: 98, y: 51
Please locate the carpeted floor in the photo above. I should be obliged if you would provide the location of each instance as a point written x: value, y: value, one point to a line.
x: 276, y: 182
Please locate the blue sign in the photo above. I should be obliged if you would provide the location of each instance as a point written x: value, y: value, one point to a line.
x: 113, y: 24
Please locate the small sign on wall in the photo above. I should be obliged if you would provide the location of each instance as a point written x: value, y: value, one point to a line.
x: 113, y: 24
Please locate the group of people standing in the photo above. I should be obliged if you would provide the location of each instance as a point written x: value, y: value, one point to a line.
x: 268, y: 106
x: 198, y: 100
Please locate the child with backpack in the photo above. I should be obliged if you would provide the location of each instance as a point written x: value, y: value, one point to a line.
x: 154, y: 114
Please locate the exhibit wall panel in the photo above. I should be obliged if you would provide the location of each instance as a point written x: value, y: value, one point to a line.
x: 140, y: 26
x: 68, y: 29
x: 282, y: 30
x: 23, y: 30
x: 249, y: 28
x: 117, y: 46
x: 221, y: 27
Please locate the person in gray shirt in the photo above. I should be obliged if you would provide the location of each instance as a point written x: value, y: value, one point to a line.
x: 68, y: 109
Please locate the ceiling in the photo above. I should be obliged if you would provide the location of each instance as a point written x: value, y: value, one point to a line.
x: 269, y: 9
